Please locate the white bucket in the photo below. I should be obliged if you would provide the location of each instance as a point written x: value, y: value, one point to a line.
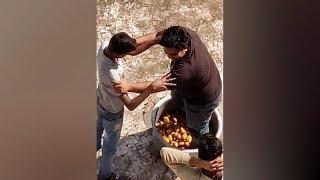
x: 156, y: 112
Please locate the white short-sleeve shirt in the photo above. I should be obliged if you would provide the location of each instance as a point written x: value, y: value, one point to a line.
x: 108, y: 72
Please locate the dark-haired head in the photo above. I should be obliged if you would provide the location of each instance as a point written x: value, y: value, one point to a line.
x: 121, y: 43
x: 175, y: 41
x: 209, y: 147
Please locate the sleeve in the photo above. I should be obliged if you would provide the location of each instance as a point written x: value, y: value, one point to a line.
x: 174, y: 156
x: 107, y: 77
x: 183, y: 75
x: 114, y: 75
x: 103, y: 45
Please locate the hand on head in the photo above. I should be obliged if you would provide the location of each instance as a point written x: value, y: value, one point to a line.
x: 159, y: 36
x: 215, y: 165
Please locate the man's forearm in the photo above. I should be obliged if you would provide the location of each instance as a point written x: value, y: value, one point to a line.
x: 138, y: 87
x: 142, y: 47
x: 146, y: 38
x: 195, y: 162
x: 145, y: 42
x: 131, y: 104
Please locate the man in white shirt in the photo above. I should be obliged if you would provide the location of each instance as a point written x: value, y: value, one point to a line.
x: 110, y: 104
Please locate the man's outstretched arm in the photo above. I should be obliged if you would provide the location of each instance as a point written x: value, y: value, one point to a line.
x: 156, y: 86
x: 123, y: 86
x: 155, y: 36
x: 146, y: 41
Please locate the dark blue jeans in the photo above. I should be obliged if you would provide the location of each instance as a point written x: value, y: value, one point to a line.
x: 111, y: 124
x: 197, y: 117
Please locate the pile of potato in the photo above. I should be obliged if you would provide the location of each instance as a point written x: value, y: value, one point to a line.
x: 173, y: 132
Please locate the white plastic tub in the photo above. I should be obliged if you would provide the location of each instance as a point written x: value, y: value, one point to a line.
x: 158, y: 142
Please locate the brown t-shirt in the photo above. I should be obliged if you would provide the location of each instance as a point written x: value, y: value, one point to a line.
x: 198, y: 79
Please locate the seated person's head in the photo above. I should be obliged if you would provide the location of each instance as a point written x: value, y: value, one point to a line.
x: 121, y: 44
x: 209, y: 147
x: 175, y: 41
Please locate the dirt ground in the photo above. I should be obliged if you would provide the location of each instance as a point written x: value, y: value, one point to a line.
x: 135, y: 157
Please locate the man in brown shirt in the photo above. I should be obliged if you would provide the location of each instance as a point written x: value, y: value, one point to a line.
x: 198, y: 81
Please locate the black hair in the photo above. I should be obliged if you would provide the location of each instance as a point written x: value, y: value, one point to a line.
x: 122, y: 43
x: 175, y: 37
x: 209, y: 147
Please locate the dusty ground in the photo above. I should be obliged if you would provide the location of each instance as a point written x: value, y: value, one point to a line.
x: 137, y: 17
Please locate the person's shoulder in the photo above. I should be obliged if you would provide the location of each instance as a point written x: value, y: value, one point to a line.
x: 182, y: 67
x: 104, y: 44
x: 109, y: 75
x: 182, y: 70
x: 193, y: 35
x: 190, y: 31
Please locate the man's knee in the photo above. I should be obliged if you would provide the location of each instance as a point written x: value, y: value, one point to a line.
x: 164, y: 154
x: 110, y: 141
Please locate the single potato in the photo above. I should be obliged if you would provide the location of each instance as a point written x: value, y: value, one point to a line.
x: 184, y: 136
x: 189, y: 138
x: 186, y: 144
x: 170, y: 138
x: 166, y: 119
x: 179, y: 136
x: 175, y: 144
x: 181, y: 144
x: 182, y: 130
x: 166, y: 139
x: 175, y: 120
